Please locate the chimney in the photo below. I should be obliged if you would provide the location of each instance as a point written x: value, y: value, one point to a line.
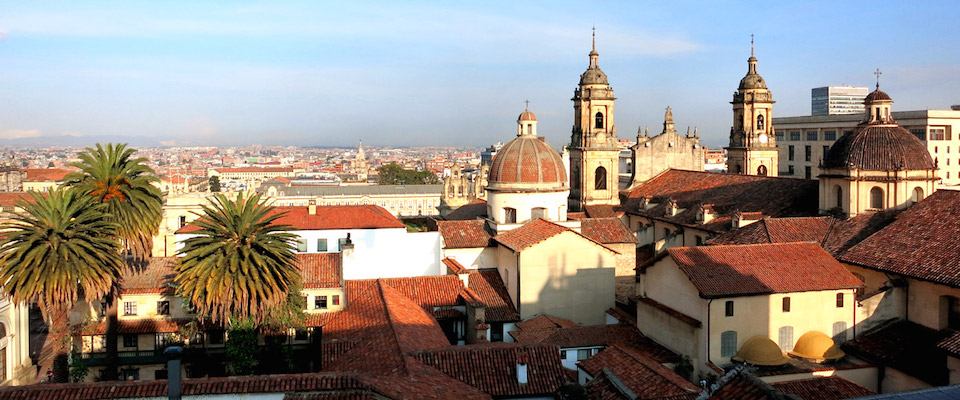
x: 672, y: 207
x: 706, y: 213
x: 312, y: 207
x: 522, y: 372
x: 173, y: 354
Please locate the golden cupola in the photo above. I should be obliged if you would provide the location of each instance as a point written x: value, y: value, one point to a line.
x: 760, y: 350
x: 816, y: 346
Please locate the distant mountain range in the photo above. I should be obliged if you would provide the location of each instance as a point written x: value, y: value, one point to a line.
x: 50, y: 141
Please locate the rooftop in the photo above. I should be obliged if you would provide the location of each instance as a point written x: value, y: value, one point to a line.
x: 642, y: 375
x: 329, y: 217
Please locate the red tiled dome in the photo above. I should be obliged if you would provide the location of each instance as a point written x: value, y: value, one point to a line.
x: 527, y: 162
x: 877, y: 95
x: 879, y: 147
x: 526, y: 115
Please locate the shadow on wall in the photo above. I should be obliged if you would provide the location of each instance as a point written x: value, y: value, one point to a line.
x: 583, y: 296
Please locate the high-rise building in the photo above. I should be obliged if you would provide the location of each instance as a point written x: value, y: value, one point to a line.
x: 837, y: 100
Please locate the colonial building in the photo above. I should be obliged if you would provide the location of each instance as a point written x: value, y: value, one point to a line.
x: 594, y: 149
x: 652, y: 156
x: 460, y: 188
x: 400, y: 200
x: 753, y: 147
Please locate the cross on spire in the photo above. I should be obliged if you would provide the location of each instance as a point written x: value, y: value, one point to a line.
x: 527, y: 103
x: 594, y: 38
x: 878, y: 73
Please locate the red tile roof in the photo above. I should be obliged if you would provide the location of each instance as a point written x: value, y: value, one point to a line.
x: 607, y: 230
x: 138, y: 325
x: 535, y: 232
x: 330, y: 217
x: 647, y: 378
x: 739, y: 384
x: 454, y: 267
x: 602, y: 211
x: 320, y: 270
x: 596, y: 335
x: 492, y: 367
x: 464, y: 234
x: 729, y: 193
x: 825, y: 388
x: 950, y: 343
x: 472, y: 210
x: 10, y: 199
x: 155, y: 278
x: 253, y: 169
x: 46, y: 174
x: 544, y: 321
x: 917, y: 245
x: 670, y: 311
x: 729, y: 271
x: 905, y: 346
x: 489, y: 288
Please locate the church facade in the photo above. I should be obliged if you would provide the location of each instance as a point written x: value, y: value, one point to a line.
x: 753, y: 146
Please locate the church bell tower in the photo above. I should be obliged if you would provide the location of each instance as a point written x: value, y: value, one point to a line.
x: 594, y: 151
x: 753, y: 145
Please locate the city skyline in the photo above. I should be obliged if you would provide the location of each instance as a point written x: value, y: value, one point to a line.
x: 427, y: 74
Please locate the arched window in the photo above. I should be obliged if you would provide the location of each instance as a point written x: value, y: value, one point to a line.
x: 598, y: 120
x: 538, y: 212
x: 739, y: 168
x: 838, y: 193
x: 786, y: 338
x: 762, y: 170
x: 601, y: 178
x: 509, y: 215
x: 876, y: 198
x: 917, y: 195
x: 760, y: 122
x: 728, y: 344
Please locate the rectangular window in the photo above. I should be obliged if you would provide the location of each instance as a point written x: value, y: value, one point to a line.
x: 306, y: 302
x: 320, y: 303
x: 563, y: 354
x: 807, y: 172
x: 131, y: 341
x: 790, y: 152
x: 728, y: 344
x: 130, y: 374
x: 728, y: 308
x: 811, y: 136
x: 129, y: 308
x: 786, y: 338
x: 496, y: 333
x: 699, y: 240
x: 779, y: 136
x: 839, y: 300
x: 790, y: 170
x: 336, y: 299
x: 939, y: 134
x: 163, y: 307
x: 786, y: 304
x: 321, y: 245
x: 341, y: 242
x: 830, y: 135
x: 302, y: 245
x: 583, y: 354
x: 807, y: 153
x: 795, y: 136
x: 919, y: 133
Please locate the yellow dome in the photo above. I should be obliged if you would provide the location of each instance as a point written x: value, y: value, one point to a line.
x: 817, y: 346
x: 760, y: 350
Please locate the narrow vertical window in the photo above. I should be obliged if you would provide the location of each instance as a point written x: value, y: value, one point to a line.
x: 876, y: 198
x: 601, y: 179
x: 728, y: 308
x: 839, y: 300
x: 786, y: 304
x: 839, y: 195
x: 786, y: 338
x: 728, y: 344
x: 598, y: 120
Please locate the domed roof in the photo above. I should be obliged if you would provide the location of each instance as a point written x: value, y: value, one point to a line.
x: 752, y: 80
x: 879, y: 147
x: 816, y: 345
x: 526, y: 115
x: 760, y: 350
x: 593, y: 75
x: 877, y: 95
x: 527, y: 163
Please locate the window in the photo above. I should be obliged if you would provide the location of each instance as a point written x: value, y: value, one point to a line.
x: 838, y: 193
x: 919, y: 133
x: 598, y: 120
x: 563, y: 354
x: 728, y: 344
x: 336, y: 299
x: 306, y: 302
x: 779, y: 136
x: 538, y: 212
x: 790, y: 170
x: 509, y: 215
x: 601, y: 179
x: 830, y: 135
x: 839, y: 300
x: 839, y: 332
x: 762, y: 170
x: 917, y: 195
x: 939, y: 134
x: 790, y: 152
x: 131, y: 340
x: 302, y: 245
x: 795, y: 136
x: 320, y: 303
x: 301, y: 334
x: 129, y: 308
x: 321, y: 245
x: 876, y: 198
x: 728, y: 308
x: 130, y: 374
x: 163, y: 307
x: 583, y: 354
x: 183, y: 220
x: 807, y: 172
x: 807, y: 153
x: 811, y: 136
x: 496, y: 333
x: 786, y: 338
x: 699, y: 240
x: 341, y: 242
x: 216, y: 337
x: 786, y: 304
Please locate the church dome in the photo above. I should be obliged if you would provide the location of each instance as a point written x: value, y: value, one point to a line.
x: 760, y: 350
x: 879, y: 143
x: 527, y: 163
x: 526, y: 115
x: 817, y: 346
x: 592, y: 76
x: 752, y: 80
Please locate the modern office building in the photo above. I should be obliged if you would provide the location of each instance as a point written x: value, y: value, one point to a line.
x: 837, y: 100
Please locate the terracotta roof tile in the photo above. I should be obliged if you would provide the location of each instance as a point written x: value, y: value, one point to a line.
x: 155, y: 278
x: 330, y: 217
x: 138, y: 325
x: 644, y: 376
x: 728, y: 271
x: 472, y: 210
x: 602, y: 211
x: 46, y: 174
x: 597, y: 335
x: 915, y: 244
x: 950, y: 343
x: 607, y: 230
x: 454, y: 267
x: 729, y: 193
x: 492, y: 367
x: 535, y: 232
x: 10, y: 199
x: 488, y: 286
x: 884, y: 147
x: 905, y: 346
x: 739, y: 384
x: 544, y: 321
x: 464, y: 234
x: 320, y: 270
x: 823, y: 388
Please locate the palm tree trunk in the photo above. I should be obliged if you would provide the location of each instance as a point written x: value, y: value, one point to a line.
x: 60, y: 330
x: 110, y: 370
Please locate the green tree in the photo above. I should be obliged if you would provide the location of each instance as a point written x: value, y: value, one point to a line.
x: 393, y: 174
x: 240, y: 265
x: 61, y: 249
x: 214, y: 182
x: 124, y: 184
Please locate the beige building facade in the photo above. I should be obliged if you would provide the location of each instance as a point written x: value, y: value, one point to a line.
x: 653, y: 155
x: 753, y: 147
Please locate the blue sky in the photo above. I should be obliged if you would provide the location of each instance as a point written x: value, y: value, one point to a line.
x: 442, y: 73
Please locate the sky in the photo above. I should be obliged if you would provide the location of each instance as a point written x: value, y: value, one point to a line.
x: 446, y: 73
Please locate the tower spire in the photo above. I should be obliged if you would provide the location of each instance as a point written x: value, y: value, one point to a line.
x: 751, y: 45
x: 594, y: 38
x: 878, y: 73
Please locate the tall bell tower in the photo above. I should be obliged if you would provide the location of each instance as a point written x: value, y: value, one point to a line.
x: 753, y: 145
x: 594, y: 154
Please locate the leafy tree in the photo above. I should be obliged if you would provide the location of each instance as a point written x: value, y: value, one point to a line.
x: 214, y: 182
x: 240, y: 265
x: 242, y: 348
x: 61, y: 249
x: 111, y: 176
x: 393, y: 174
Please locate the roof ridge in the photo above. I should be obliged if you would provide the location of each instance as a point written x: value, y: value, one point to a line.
x: 393, y: 329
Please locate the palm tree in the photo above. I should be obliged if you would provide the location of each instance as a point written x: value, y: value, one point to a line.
x: 240, y: 264
x: 125, y: 185
x: 59, y: 250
